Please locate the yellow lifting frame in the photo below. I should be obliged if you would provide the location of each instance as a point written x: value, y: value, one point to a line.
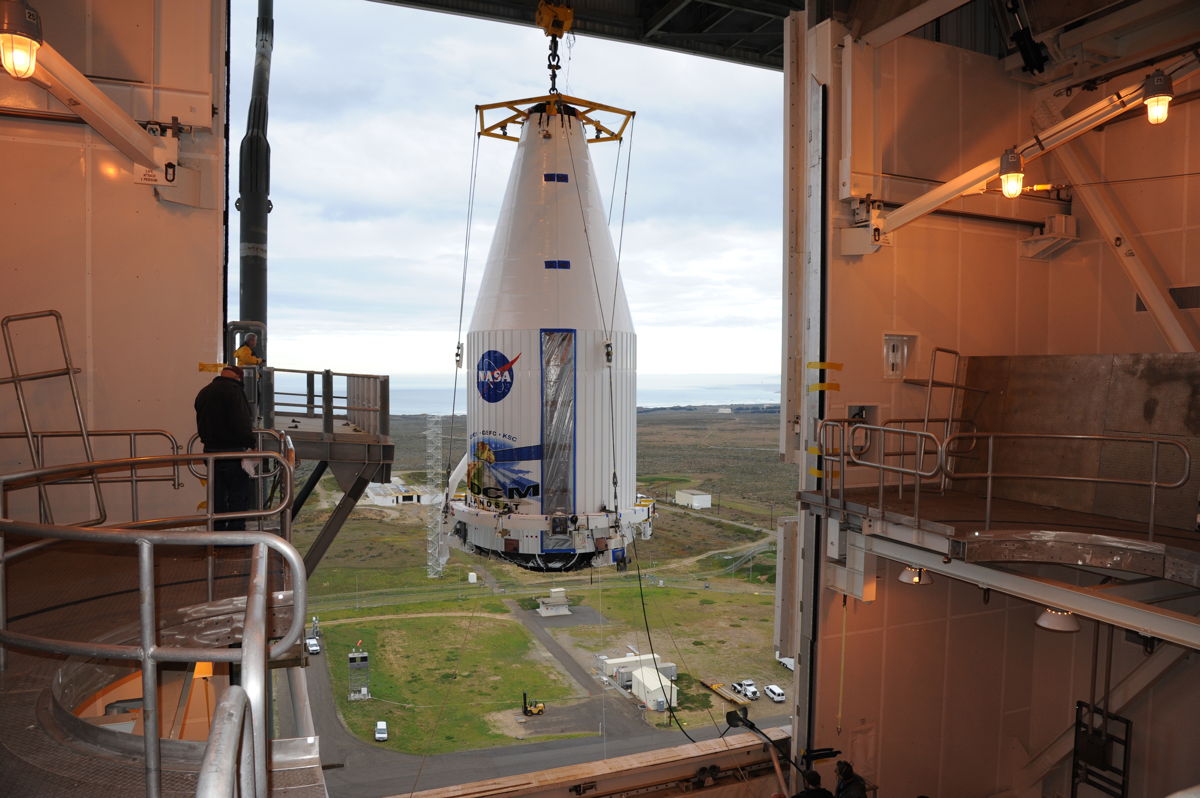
x: 586, y: 110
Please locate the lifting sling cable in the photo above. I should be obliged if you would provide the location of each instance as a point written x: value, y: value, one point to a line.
x: 612, y: 195
x: 624, y: 207
x: 462, y: 299
x: 586, y: 236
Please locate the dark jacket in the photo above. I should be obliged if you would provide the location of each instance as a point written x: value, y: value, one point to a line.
x: 853, y: 787
x: 223, y: 417
x: 814, y: 792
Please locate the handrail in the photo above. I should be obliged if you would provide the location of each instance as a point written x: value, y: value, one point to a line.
x: 230, y: 743
x: 41, y: 477
x: 173, y: 537
x: 366, y: 399
x: 282, y: 440
x: 919, y: 438
x: 254, y: 652
x: 1153, y: 483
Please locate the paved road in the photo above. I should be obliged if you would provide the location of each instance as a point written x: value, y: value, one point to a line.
x: 357, y: 769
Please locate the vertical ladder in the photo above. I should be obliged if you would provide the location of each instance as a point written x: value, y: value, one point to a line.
x: 19, y: 380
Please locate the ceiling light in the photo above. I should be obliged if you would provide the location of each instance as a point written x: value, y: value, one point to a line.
x: 915, y: 576
x: 20, y: 37
x: 1058, y: 620
x: 1012, y: 173
x: 1157, y: 93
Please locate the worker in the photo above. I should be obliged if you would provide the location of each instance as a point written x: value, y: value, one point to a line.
x: 247, y: 353
x: 224, y: 424
x: 849, y: 783
x: 812, y: 786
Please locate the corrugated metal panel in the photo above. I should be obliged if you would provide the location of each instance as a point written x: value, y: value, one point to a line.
x: 971, y: 27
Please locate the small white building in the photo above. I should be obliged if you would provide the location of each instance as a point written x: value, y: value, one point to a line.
x: 556, y: 604
x: 396, y: 492
x: 696, y: 499
x: 653, y: 688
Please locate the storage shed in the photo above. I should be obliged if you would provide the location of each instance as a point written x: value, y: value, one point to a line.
x: 654, y: 688
x: 696, y: 499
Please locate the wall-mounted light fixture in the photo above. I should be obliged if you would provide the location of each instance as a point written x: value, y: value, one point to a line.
x: 20, y: 38
x: 915, y: 576
x: 1157, y: 93
x: 1012, y: 173
x: 1058, y: 620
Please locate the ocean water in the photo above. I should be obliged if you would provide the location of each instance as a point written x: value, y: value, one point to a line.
x: 417, y: 394
x: 412, y: 395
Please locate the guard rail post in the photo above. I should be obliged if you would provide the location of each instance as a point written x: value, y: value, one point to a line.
x: 150, y: 724
x: 327, y: 401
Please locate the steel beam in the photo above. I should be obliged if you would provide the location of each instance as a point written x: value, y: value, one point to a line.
x: 1129, y: 688
x: 1051, y: 138
x: 1164, y: 624
x: 664, y: 15
x: 909, y: 21
x: 72, y: 88
x: 1177, y: 328
x: 336, y: 519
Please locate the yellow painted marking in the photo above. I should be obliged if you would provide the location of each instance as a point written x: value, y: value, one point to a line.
x: 214, y: 367
x: 825, y: 364
x: 819, y: 474
x: 824, y: 386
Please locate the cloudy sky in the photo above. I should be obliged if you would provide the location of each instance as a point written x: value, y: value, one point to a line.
x: 371, y: 155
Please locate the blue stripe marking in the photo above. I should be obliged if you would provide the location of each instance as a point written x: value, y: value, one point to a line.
x: 555, y: 177
x: 518, y: 454
x: 558, y: 264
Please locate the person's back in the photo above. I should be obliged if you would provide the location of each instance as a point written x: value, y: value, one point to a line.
x: 223, y: 415
x: 812, y: 786
x: 849, y: 783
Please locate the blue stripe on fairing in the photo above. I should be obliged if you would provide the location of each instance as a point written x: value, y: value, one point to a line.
x: 518, y: 454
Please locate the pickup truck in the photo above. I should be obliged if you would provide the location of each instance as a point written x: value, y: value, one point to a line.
x: 747, y: 688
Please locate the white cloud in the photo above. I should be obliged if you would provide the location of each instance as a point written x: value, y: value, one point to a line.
x: 371, y: 166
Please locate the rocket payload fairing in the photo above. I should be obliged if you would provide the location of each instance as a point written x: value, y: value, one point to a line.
x: 551, y: 358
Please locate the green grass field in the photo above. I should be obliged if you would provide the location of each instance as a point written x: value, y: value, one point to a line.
x: 436, y: 679
x: 433, y: 679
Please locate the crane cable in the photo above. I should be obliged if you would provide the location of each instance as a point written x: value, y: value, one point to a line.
x: 462, y: 300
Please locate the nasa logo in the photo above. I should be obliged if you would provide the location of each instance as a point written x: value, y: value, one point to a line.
x: 494, y: 376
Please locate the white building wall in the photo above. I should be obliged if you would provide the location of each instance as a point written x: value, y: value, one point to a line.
x: 651, y: 686
x: 932, y: 690
x: 139, y: 282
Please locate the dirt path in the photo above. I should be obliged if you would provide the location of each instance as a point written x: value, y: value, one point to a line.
x: 491, y: 615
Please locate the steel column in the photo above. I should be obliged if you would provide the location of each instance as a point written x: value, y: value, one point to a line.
x: 254, y: 177
x: 148, y: 640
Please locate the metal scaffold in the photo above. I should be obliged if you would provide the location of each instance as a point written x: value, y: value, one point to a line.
x: 437, y: 550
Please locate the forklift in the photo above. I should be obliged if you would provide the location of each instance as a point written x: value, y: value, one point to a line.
x: 537, y: 708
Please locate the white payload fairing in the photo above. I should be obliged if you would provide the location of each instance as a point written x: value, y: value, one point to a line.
x: 551, y: 358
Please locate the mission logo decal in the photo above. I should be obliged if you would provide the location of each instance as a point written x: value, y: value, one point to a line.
x: 494, y: 376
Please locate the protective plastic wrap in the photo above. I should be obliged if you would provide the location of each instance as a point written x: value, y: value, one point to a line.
x: 558, y: 422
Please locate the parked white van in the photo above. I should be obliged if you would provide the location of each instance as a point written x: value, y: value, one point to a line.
x: 773, y: 692
x: 381, y: 731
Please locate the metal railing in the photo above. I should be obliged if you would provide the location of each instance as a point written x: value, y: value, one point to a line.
x: 991, y: 475
x: 365, y: 402
x: 846, y: 444
x: 38, y: 440
x: 146, y: 535
x: 18, y: 379
x: 229, y: 758
x: 855, y: 441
